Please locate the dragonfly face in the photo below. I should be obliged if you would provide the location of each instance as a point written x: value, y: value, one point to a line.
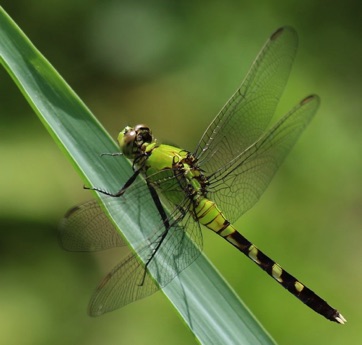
x: 134, y: 140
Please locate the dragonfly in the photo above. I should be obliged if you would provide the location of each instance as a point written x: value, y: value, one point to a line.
x: 212, y: 187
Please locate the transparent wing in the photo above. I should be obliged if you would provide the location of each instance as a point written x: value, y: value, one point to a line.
x: 239, y: 184
x: 87, y: 228
x: 129, y: 282
x: 248, y: 112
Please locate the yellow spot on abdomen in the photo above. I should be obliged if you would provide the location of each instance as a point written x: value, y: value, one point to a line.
x: 277, y: 271
x: 299, y: 286
x: 253, y: 254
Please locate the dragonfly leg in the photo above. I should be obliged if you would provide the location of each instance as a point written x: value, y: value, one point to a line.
x: 113, y: 154
x: 141, y: 160
x: 159, y: 206
x: 121, y: 191
x: 166, y: 223
x: 154, y: 251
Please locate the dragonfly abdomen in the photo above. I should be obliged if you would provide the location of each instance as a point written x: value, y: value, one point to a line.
x: 208, y: 214
x: 289, y: 282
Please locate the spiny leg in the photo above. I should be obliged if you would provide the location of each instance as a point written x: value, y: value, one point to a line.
x: 166, y: 223
x: 121, y: 191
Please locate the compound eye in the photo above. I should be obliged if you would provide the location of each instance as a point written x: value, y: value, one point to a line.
x: 144, y: 135
x: 134, y: 141
x: 142, y: 127
x: 126, y: 140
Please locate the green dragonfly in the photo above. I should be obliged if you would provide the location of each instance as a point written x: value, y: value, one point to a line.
x: 213, y: 186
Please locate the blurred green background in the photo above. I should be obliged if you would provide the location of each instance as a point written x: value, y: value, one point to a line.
x: 173, y: 65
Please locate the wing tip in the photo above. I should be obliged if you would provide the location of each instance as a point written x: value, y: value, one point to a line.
x: 276, y: 34
x: 310, y: 98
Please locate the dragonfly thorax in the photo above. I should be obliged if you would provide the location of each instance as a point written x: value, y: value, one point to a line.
x: 136, y: 141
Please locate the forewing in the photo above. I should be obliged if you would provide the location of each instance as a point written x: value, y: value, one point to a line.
x: 248, y: 112
x: 86, y: 228
x: 238, y: 185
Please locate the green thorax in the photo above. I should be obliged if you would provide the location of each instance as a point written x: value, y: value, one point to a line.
x: 164, y: 157
x: 171, y: 170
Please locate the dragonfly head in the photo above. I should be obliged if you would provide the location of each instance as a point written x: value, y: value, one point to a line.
x: 134, y: 140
